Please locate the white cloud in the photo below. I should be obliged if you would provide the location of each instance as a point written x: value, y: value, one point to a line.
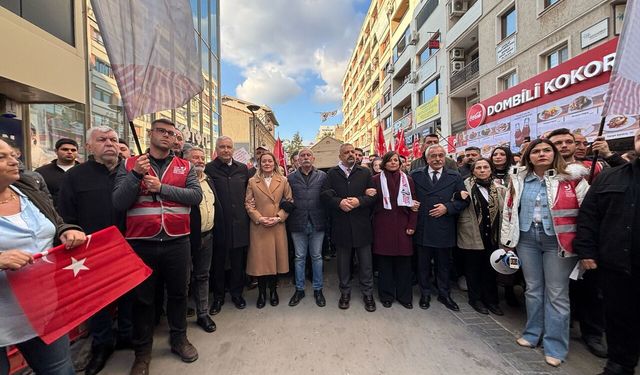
x: 283, y: 44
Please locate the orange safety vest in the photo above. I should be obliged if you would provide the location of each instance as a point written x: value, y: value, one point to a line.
x: 150, y: 214
x: 565, y: 214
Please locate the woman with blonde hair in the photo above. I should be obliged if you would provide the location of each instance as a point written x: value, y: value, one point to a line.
x: 539, y: 220
x: 268, y: 202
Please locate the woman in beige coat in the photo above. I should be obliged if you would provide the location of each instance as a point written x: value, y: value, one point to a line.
x: 267, y: 193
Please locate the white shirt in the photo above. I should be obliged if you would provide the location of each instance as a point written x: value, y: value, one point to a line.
x: 438, y: 173
x: 344, y: 169
x: 65, y: 167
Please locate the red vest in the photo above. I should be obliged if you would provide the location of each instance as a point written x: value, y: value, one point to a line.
x: 596, y: 172
x: 565, y: 214
x: 150, y: 214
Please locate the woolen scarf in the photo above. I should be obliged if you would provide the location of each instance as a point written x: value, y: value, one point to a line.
x: 494, y: 210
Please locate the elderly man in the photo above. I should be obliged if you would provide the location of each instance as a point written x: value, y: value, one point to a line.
x: 157, y: 190
x: 307, y: 225
x: 230, y: 180
x: 436, y: 231
x: 430, y: 140
x: 85, y: 200
x: 66, y: 152
x: 608, y: 239
x: 344, y: 193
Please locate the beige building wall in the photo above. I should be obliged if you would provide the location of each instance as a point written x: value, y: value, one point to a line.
x: 238, y: 120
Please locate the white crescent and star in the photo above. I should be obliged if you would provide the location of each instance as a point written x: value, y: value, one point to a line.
x: 76, y: 266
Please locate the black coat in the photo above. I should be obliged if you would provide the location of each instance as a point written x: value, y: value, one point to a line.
x: 196, y: 221
x: 353, y: 228
x: 306, y: 197
x: 437, y: 232
x: 53, y: 175
x: 231, y: 185
x: 606, y: 222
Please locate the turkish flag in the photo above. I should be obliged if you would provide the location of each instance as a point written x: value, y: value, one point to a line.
x: 65, y: 287
x: 381, y: 147
x: 416, y: 147
x: 401, y: 147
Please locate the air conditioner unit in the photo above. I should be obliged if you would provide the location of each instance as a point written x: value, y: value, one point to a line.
x: 414, y: 38
x: 458, y: 8
x: 457, y: 54
x: 390, y: 69
x: 412, y: 78
x: 457, y: 66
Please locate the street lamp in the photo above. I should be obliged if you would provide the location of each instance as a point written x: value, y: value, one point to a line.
x: 252, y: 131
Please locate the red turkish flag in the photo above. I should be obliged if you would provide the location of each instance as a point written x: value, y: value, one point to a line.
x: 401, y: 147
x: 381, y: 147
x: 65, y: 287
x: 278, y: 152
x: 416, y: 147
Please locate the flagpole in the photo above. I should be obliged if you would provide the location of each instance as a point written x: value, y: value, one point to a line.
x: 135, y: 137
x: 592, y: 170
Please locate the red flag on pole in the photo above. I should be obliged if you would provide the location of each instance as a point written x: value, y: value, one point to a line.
x: 64, y: 287
x: 416, y: 147
x: 278, y: 152
x: 381, y: 147
x: 401, y: 146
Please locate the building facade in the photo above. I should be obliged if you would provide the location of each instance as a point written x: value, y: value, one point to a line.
x: 76, y: 89
x: 248, y: 129
x: 335, y: 131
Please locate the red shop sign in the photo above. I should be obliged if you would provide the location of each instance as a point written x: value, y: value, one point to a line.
x: 585, y: 71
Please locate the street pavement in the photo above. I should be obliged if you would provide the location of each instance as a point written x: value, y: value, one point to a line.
x: 307, y: 339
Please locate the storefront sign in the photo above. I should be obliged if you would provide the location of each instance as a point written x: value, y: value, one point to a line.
x: 506, y: 49
x: 595, y: 33
x: 476, y: 115
x: 403, y: 123
x: 580, y: 73
x: 427, y: 110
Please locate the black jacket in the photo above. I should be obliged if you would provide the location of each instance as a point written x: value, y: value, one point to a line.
x: 606, y: 227
x: 353, y: 228
x: 196, y: 221
x: 306, y: 197
x: 53, y: 175
x: 30, y: 188
x: 85, y: 197
x: 231, y: 185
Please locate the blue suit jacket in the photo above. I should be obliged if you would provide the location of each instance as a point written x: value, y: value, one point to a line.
x: 437, y: 232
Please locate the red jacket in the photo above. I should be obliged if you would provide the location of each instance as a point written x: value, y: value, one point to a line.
x: 150, y: 214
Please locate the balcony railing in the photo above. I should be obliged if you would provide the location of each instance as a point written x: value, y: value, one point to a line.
x: 463, y: 76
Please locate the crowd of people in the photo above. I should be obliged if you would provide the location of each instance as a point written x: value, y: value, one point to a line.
x: 208, y: 229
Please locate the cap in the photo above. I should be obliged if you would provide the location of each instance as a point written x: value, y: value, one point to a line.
x: 66, y: 141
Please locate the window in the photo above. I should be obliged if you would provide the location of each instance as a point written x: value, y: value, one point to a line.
x: 548, y: 3
x: 508, y: 23
x: 509, y: 80
x: 96, y: 36
x: 426, y: 12
x: 103, y: 68
x: 50, y: 122
x: 386, y: 97
x: 429, y: 91
x: 101, y: 95
x: 557, y: 57
x: 402, y: 44
x: 53, y: 16
x: 428, y: 52
x: 386, y: 123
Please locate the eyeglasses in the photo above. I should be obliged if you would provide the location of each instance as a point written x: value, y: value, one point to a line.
x: 163, y: 131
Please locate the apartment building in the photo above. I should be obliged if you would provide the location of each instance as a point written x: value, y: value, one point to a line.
x: 248, y: 124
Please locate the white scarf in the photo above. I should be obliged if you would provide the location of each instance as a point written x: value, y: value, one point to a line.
x: 404, y: 193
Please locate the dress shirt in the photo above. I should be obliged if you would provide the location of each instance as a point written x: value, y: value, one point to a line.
x: 207, y: 210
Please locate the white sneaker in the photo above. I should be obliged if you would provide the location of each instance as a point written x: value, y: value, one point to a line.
x: 462, y: 283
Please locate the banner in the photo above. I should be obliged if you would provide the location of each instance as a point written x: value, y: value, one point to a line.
x: 428, y: 109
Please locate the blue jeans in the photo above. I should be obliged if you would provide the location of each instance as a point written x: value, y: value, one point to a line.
x: 310, y: 241
x: 547, y: 294
x: 53, y: 359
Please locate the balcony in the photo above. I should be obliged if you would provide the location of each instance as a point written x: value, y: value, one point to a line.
x: 465, y: 75
x: 464, y: 23
x: 403, y: 91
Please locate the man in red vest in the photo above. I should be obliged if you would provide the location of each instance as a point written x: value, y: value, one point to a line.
x: 157, y: 190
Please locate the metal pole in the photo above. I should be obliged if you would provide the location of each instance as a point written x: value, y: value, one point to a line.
x: 592, y: 170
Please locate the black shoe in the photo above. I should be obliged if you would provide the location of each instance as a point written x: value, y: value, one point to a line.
x: 274, y: 300
x: 216, y: 306
x: 123, y: 343
x: 596, y: 346
x: 387, y: 304
x: 449, y: 303
x: 495, y: 309
x: 296, y: 298
x: 369, y: 303
x: 206, y: 323
x: 320, y: 301
x: 253, y: 283
x: 191, y: 312
x: 185, y: 350
x: 99, y: 357
x: 407, y: 305
x: 262, y: 299
x: 425, y: 302
x: 344, y: 301
x: 239, y: 302
x: 140, y: 366
x: 478, y: 306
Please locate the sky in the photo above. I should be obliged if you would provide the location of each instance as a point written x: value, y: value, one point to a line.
x: 290, y: 55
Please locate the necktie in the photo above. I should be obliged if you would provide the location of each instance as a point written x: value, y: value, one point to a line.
x: 435, y: 177
x: 348, y: 171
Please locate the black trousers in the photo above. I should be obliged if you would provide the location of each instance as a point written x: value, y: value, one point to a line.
x: 365, y: 270
x: 394, y: 278
x: 236, y: 273
x: 481, y: 278
x: 442, y: 257
x: 170, y: 260
x: 622, y: 318
x: 586, y: 304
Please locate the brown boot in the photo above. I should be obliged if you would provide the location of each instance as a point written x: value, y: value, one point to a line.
x: 140, y: 365
x: 183, y: 348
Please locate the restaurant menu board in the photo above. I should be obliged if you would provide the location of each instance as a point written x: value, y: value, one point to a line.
x: 579, y: 113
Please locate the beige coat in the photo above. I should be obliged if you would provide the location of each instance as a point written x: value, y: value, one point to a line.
x: 469, y: 237
x: 268, y: 251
